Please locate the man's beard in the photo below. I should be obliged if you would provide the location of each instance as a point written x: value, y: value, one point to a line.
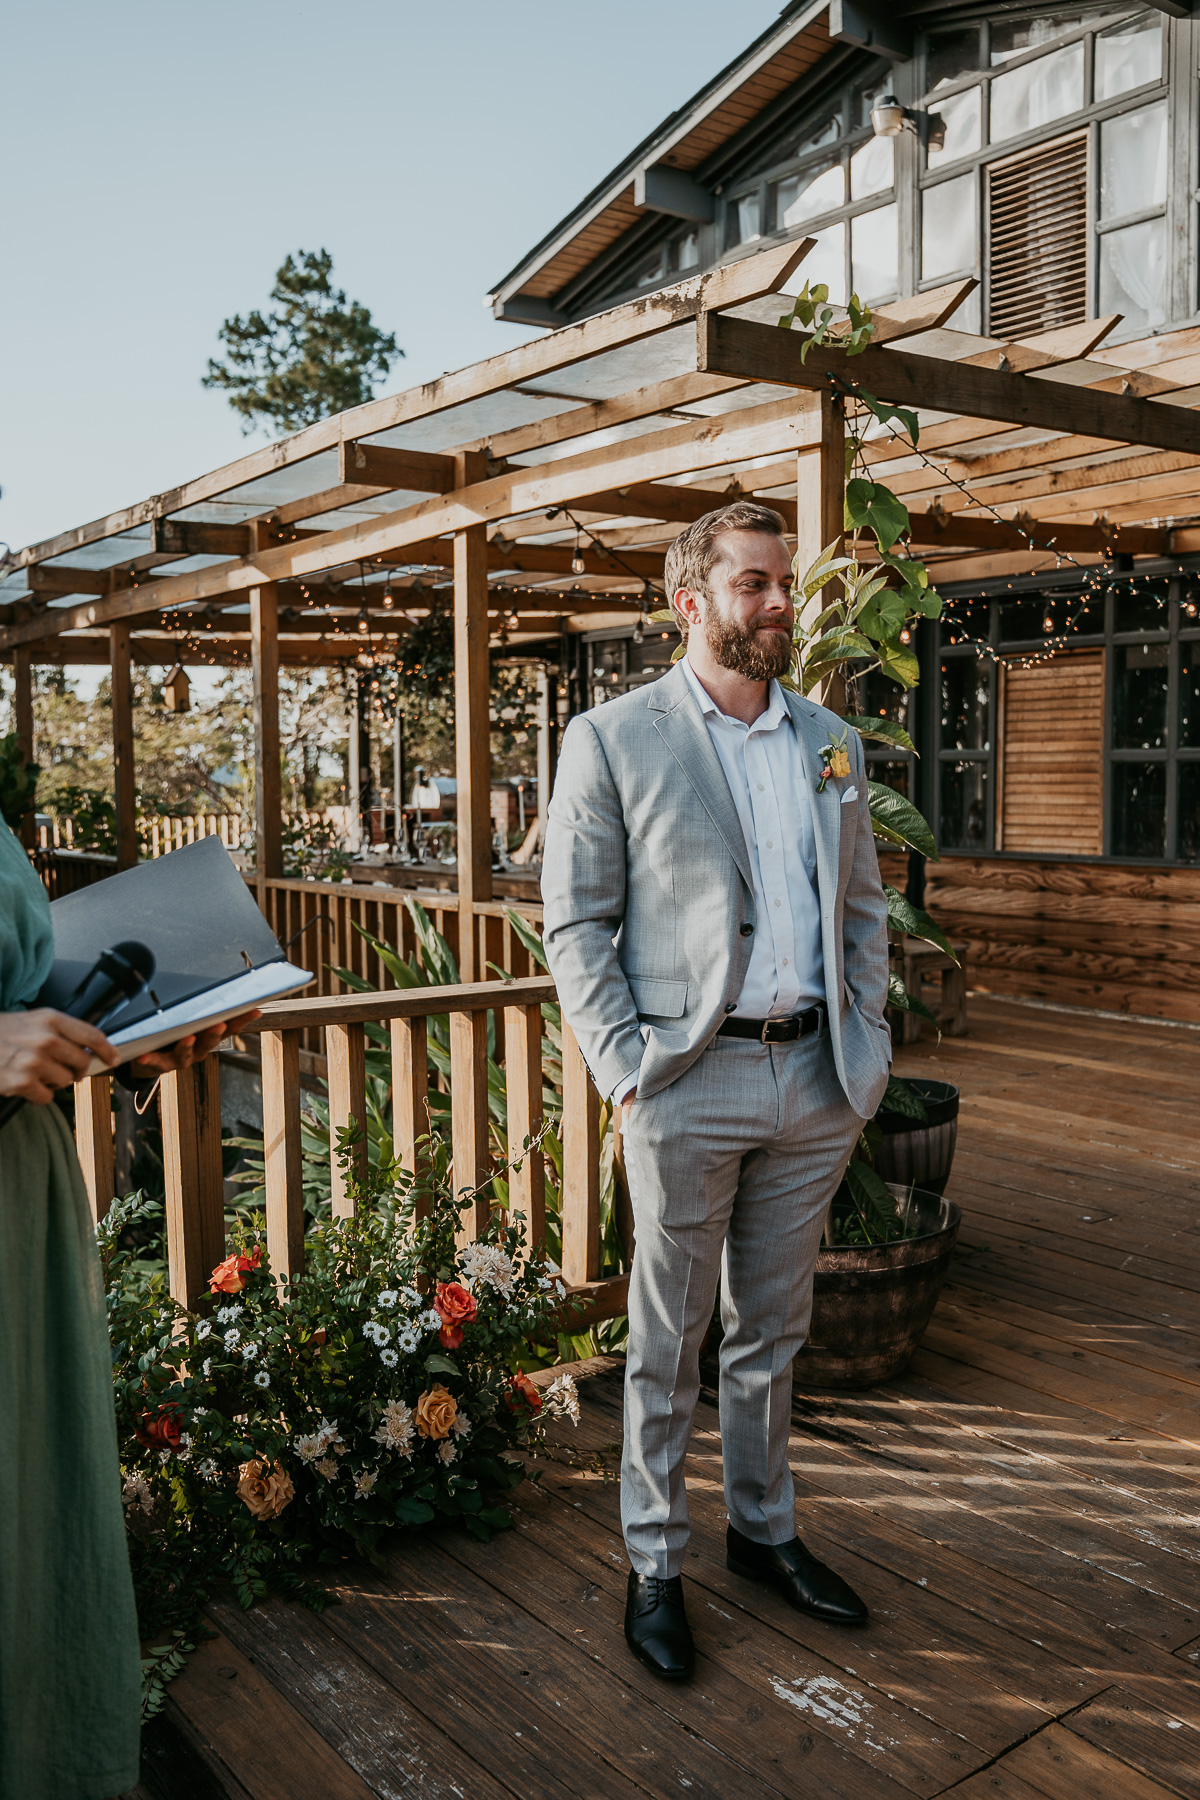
x: 738, y: 647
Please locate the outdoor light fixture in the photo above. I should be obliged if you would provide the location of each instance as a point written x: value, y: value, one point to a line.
x: 389, y: 599
x: 577, y: 563
x: 1048, y: 622
x: 889, y: 118
x: 364, y: 622
x: 639, y: 630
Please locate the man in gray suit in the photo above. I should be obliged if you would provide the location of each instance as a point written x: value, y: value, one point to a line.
x: 715, y: 923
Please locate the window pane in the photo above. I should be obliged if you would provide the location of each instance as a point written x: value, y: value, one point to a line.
x: 872, y: 169
x: 1133, y: 273
x: 966, y: 316
x: 1140, y: 696
x: 1139, y: 809
x: 893, y: 774
x: 1141, y: 608
x: 960, y: 116
x: 1133, y: 161
x: 1127, y: 56
x: 965, y: 711
x: 962, y: 813
x: 948, y: 234
x: 1189, y: 693
x: 686, y: 251
x: 817, y: 189
x: 1024, y: 618
x: 742, y: 215
x: 1189, y: 812
x: 827, y: 132
x: 949, y: 55
x: 650, y: 269
x: 874, y: 253
x: 826, y: 262
x: 1013, y: 39
x: 1037, y: 92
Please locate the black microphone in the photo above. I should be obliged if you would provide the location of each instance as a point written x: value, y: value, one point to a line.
x: 116, y: 977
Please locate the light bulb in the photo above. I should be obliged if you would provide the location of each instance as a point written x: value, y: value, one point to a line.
x: 389, y: 599
x: 1048, y: 622
x: 577, y: 562
x: 364, y: 623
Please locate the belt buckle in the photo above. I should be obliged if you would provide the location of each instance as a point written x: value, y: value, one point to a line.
x: 762, y: 1036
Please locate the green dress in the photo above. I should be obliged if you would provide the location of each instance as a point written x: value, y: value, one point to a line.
x: 69, y: 1659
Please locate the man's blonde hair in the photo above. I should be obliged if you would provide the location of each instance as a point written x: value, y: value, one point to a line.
x: 691, y: 557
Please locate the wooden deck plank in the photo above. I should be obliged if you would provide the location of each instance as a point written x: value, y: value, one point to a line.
x: 1055, y: 1765
x: 1157, y: 1743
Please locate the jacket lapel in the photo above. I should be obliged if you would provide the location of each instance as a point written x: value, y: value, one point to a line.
x: 681, y: 726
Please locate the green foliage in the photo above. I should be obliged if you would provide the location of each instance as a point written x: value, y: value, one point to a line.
x: 18, y: 782
x: 914, y: 922
x: 872, y: 507
x: 289, y: 1424
x: 812, y: 310
x: 314, y: 354
x: 897, y: 821
x: 884, y: 731
x: 901, y: 1097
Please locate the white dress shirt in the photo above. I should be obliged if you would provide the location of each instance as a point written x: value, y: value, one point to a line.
x: 766, y: 775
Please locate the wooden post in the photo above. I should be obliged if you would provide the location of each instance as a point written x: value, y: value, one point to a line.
x: 820, y: 511
x: 472, y: 725
x: 469, y: 1116
x: 581, y: 1167
x: 191, y: 1129
x: 94, y: 1141
x: 410, y: 1093
x: 23, y: 725
x: 268, y: 776
x: 124, y: 773
x: 281, y: 1151
x: 523, y: 1090
x: 346, y: 1050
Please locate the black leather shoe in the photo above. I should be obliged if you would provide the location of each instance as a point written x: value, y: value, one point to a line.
x: 656, y: 1627
x: 805, y: 1583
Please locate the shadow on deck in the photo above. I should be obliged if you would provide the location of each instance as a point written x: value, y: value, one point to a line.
x: 1019, y: 1511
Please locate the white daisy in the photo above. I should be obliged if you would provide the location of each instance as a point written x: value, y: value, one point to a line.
x: 250, y: 1351
x: 227, y: 1314
x: 388, y: 1298
x: 388, y: 1358
x: 407, y: 1340
x: 262, y: 1379
x: 430, y: 1321
x: 207, y: 1469
x: 233, y: 1338
x: 203, y: 1330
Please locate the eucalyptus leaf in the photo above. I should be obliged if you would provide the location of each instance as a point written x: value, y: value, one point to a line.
x: 901, y: 820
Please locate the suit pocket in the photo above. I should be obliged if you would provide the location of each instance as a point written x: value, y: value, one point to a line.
x: 658, y: 999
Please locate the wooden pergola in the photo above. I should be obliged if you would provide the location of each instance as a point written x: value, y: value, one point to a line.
x: 542, y: 487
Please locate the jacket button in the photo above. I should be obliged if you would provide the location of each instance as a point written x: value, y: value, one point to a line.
x: 732, y: 1007
x: 746, y: 929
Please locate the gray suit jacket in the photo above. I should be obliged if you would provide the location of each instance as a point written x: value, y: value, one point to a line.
x: 647, y: 888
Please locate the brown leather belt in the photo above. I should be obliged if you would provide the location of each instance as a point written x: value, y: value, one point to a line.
x: 776, y: 1031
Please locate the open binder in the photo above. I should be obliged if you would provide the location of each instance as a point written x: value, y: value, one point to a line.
x: 215, y: 954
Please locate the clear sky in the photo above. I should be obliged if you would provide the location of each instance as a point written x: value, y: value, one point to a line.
x: 161, y: 160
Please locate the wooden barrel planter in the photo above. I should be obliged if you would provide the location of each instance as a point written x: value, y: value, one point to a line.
x: 920, y: 1154
x: 872, y: 1302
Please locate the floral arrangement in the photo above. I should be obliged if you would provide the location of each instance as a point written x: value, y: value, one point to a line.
x: 301, y: 1422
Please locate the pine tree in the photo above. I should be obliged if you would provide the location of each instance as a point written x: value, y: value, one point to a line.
x: 315, y: 354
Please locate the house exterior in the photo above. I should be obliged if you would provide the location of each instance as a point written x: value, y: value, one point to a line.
x: 1052, y: 154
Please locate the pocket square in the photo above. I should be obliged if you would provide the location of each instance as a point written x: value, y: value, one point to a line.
x: 851, y: 793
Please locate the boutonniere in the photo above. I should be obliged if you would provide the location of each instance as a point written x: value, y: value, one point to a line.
x: 835, y: 759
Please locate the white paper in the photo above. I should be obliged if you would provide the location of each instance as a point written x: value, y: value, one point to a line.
x: 240, y: 995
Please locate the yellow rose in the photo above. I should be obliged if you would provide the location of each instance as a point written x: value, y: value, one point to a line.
x: 265, y: 1490
x: 436, y: 1412
x: 839, y: 762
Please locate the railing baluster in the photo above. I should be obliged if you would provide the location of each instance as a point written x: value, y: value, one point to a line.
x: 523, y: 1091
x: 281, y: 1140
x: 191, y: 1129
x: 581, y: 1167
x: 345, y: 1048
x: 94, y: 1140
x: 410, y: 1091
x: 469, y: 1114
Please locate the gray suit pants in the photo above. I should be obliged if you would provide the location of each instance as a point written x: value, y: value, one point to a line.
x: 738, y: 1158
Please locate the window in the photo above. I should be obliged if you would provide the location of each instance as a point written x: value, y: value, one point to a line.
x: 872, y: 169
x: 1037, y: 92
x: 814, y: 190
x: 743, y: 217
x: 949, y: 54
x: 1037, y: 238
x: 964, y: 713
x: 875, y: 253
x: 1128, y: 55
x: 949, y: 232
x: 960, y: 118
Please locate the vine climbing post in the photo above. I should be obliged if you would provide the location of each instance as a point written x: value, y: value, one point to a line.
x: 820, y: 512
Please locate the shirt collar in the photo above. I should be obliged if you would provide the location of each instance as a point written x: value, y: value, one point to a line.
x: 775, y: 715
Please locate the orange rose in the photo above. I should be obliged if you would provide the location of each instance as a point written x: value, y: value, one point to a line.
x: 455, y: 1307
x: 523, y: 1393
x: 161, y: 1430
x: 436, y: 1412
x: 265, y: 1490
x: 227, y: 1277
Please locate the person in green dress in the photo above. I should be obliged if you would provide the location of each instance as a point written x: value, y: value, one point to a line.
x: 70, y: 1671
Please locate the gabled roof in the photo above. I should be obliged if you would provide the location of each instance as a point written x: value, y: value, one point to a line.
x: 686, y: 139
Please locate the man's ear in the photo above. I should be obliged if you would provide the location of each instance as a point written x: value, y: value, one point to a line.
x: 689, y: 604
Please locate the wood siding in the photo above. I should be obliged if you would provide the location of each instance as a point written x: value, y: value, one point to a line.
x: 1121, y: 938
x: 1051, y: 791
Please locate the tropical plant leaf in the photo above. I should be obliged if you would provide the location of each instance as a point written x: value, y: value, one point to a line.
x: 900, y: 818
x: 528, y: 936
x: 904, y: 916
x: 872, y: 507
x: 836, y: 646
x: 883, y: 616
x: 872, y: 1198
x: 901, y: 1097
x: 899, y: 997
x: 664, y: 616
x: 883, y: 412
x: 900, y: 664
x: 884, y: 731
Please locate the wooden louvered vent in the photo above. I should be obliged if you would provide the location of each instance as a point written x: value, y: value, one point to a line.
x: 1037, y: 239
x: 1051, y: 787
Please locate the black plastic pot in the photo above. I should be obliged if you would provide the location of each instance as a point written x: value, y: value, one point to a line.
x: 872, y: 1302
x: 920, y: 1154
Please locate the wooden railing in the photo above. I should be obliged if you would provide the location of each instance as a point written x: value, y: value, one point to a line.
x: 191, y: 1122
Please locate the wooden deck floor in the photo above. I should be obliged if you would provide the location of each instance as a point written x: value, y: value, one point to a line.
x: 1019, y: 1510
